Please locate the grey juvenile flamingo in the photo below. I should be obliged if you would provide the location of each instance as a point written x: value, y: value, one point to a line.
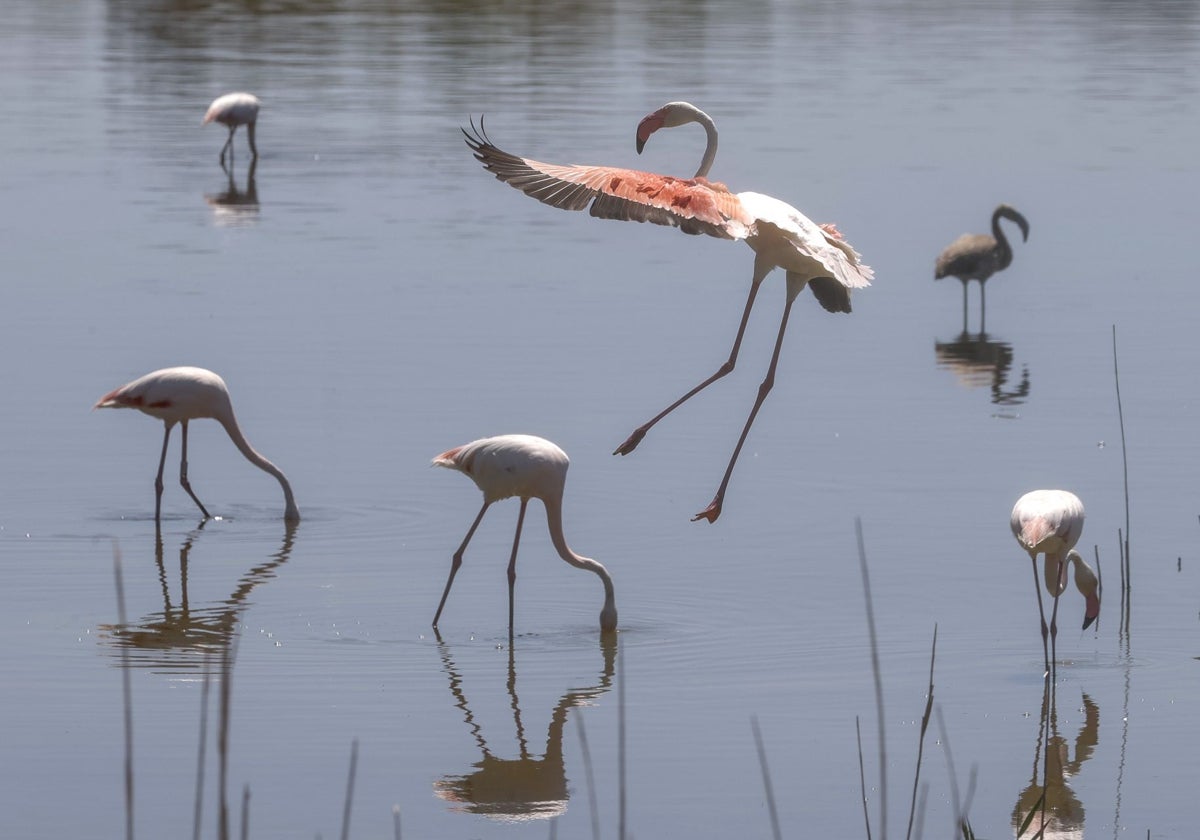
x: 977, y: 256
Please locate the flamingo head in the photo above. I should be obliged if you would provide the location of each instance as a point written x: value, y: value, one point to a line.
x: 649, y: 124
x: 1010, y: 213
x: 671, y: 115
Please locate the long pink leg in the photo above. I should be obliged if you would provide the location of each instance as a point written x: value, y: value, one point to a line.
x: 761, y: 270
x: 1060, y: 584
x: 512, y: 563
x: 1037, y: 590
x: 457, y: 561
x: 183, y: 478
x: 794, y: 287
x: 158, y: 482
x: 228, y: 147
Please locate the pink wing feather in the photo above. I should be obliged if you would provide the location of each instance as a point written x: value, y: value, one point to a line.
x: 694, y: 205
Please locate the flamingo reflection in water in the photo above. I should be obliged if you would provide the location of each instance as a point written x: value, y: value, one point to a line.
x: 981, y: 361
x: 233, y: 206
x: 812, y: 255
x: 183, y: 639
x: 182, y: 635
x: 1050, y: 522
x: 1052, y: 807
x: 529, y: 786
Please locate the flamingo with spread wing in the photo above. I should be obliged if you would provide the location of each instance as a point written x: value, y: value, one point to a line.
x: 812, y: 255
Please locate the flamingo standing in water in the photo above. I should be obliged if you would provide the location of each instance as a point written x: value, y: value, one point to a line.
x: 1050, y: 522
x: 812, y: 255
x: 232, y: 110
x: 527, y: 467
x: 977, y: 256
x: 177, y: 395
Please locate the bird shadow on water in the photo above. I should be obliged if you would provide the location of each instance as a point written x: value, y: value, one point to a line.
x: 233, y: 206
x: 205, y: 640
x: 181, y: 636
x: 982, y: 361
x: 528, y: 786
x: 1050, y: 808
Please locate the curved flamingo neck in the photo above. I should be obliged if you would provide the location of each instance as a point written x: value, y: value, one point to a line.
x: 1003, y: 248
x: 291, y: 512
x: 608, y: 613
x: 1085, y: 576
x: 1054, y: 571
x: 710, y: 150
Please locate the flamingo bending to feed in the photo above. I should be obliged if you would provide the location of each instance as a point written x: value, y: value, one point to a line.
x: 781, y: 236
x: 232, y: 110
x: 977, y: 256
x: 1050, y: 522
x: 527, y: 467
x: 178, y: 395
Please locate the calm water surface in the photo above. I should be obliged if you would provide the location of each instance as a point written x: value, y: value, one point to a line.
x: 373, y: 298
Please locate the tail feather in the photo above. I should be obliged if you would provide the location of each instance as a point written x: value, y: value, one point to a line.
x: 455, y: 459
x: 116, y: 399
x: 449, y: 459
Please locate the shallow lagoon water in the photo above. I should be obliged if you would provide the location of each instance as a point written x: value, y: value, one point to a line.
x: 382, y: 299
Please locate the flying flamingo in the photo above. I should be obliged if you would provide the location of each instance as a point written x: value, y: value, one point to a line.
x: 1049, y: 522
x: 232, y: 110
x: 781, y: 236
x: 177, y: 395
x: 977, y: 256
x: 527, y: 467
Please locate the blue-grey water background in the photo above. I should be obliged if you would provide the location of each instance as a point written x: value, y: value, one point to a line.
x: 374, y: 298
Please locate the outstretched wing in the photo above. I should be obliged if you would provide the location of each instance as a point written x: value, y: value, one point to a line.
x: 693, y: 205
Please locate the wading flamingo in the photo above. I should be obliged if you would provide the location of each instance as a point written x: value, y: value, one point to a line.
x: 527, y: 467
x: 177, y: 395
x: 1049, y: 522
x: 232, y: 110
x: 977, y: 256
x: 781, y: 236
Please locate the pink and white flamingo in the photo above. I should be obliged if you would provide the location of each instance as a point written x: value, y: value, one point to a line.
x: 232, y: 110
x: 527, y: 467
x: 178, y: 395
x: 1050, y: 522
x: 812, y: 255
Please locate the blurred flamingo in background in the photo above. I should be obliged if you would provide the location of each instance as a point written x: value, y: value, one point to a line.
x: 781, y: 236
x: 232, y: 110
x: 527, y: 467
x: 177, y: 395
x: 977, y: 256
x: 1050, y: 522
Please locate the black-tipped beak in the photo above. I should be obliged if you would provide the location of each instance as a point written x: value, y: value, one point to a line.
x: 1087, y: 622
x: 641, y: 144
